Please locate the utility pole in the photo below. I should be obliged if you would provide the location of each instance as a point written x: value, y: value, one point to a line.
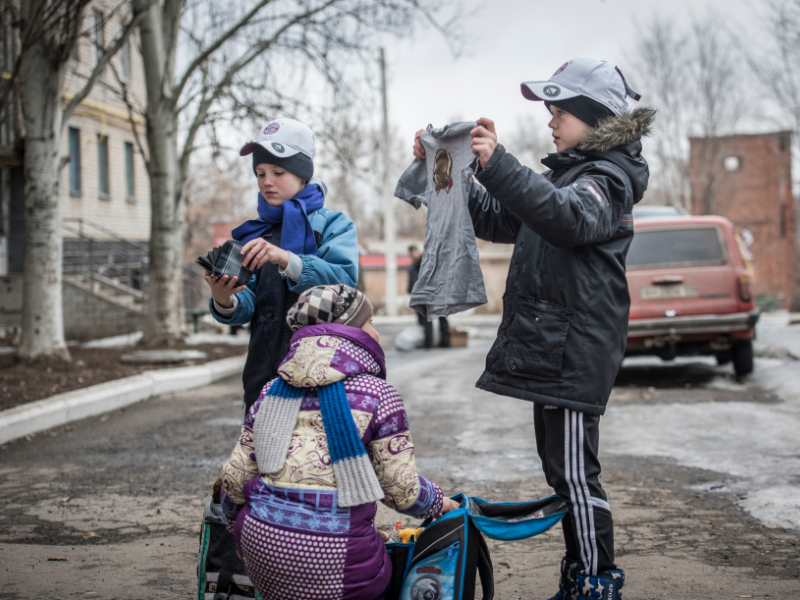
x: 388, y: 206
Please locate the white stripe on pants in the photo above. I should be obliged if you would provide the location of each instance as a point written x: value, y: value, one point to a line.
x: 574, y: 471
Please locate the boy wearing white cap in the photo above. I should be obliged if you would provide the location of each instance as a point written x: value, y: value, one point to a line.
x: 295, y: 243
x: 565, y: 310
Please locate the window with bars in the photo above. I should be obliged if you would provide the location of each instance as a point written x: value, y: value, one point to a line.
x: 130, y: 188
x: 99, y: 43
x: 102, y: 167
x: 74, y: 161
x: 125, y: 61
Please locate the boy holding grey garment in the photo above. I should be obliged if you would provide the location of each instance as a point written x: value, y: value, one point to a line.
x: 565, y: 310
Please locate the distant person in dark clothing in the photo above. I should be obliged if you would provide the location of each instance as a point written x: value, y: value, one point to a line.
x: 444, y: 326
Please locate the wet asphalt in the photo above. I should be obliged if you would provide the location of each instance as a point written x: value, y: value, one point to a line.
x: 701, y: 471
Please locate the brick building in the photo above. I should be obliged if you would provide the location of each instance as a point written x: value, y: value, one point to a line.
x: 748, y: 180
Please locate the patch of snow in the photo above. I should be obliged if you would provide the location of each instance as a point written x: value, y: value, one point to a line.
x: 117, y: 341
x: 777, y: 506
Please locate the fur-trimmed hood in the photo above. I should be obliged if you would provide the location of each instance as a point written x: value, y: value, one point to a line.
x: 617, y: 140
x: 619, y: 131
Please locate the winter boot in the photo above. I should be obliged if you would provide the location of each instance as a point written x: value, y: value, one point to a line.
x: 568, y: 586
x: 605, y: 586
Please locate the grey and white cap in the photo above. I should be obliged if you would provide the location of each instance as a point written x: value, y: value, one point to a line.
x: 595, y: 79
x: 283, y: 138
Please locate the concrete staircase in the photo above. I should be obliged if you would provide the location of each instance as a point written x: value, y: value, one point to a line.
x: 105, y: 279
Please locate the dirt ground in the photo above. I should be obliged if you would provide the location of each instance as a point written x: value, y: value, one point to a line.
x: 110, y: 507
x: 20, y: 384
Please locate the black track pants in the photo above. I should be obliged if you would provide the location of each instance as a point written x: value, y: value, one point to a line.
x: 567, y: 443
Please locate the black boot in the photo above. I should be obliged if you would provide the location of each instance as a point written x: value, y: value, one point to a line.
x: 605, y: 586
x: 568, y: 586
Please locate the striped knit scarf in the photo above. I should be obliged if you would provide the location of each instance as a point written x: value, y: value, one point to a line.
x: 356, y: 481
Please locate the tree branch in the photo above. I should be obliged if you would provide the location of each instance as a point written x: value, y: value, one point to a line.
x: 237, y: 66
x: 104, y: 60
x: 123, y: 93
x: 171, y: 26
x: 202, y: 57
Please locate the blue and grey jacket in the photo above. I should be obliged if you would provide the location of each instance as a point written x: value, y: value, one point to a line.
x: 269, y: 294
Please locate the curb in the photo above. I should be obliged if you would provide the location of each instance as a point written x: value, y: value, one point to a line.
x: 104, y: 397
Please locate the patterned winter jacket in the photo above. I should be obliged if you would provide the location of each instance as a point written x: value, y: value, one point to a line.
x: 335, y: 552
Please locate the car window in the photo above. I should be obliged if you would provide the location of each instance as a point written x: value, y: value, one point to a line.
x: 676, y: 247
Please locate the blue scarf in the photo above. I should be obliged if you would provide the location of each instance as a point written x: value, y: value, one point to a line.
x: 297, y: 236
x: 356, y: 481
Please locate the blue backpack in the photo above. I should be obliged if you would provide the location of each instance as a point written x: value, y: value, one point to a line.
x: 443, y: 562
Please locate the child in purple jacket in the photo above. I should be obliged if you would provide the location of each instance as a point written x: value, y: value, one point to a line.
x: 324, y: 441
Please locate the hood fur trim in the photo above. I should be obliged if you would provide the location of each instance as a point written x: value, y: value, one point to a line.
x: 618, y: 131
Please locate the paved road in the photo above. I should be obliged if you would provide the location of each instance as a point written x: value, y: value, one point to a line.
x: 701, y: 472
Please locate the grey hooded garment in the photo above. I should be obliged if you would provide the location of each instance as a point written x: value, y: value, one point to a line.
x: 450, y: 278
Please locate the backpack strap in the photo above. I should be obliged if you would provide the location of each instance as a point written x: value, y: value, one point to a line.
x: 478, y: 563
x: 485, y: 569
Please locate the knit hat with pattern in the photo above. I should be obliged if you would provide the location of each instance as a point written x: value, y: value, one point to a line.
x: 322, y: 304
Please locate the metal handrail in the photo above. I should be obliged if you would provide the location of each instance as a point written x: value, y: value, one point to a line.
x: 81, y: 221
x: 140, y: 258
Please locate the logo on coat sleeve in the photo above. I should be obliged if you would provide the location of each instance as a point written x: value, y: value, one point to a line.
x: 590, y: 186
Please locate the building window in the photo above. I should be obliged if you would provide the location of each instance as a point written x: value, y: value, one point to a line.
x: 99, y: 39
x: 125, y: 61
x: 130, y: 190
x: 102, y: 166
x: 732, y: 163
x: 74, y: 161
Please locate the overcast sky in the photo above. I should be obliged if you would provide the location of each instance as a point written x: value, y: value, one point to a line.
x: 511, y: 41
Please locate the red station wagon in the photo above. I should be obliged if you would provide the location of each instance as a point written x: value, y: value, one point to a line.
x: 690, y: 291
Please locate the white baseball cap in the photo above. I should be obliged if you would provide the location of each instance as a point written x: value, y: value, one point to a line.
x: 283, y: 138
x: 595, y: 79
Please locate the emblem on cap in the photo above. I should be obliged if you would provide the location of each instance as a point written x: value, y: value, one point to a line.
x: 272, y: 128
x: 278, y: 147
x: 562, y: 67
x: 551, y: 90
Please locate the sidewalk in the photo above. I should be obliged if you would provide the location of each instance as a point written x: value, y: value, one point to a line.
x: 105, y: 397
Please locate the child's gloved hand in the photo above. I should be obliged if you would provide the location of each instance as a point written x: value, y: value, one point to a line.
x: 447, y: 506
x: 259, y: 251
x: 484, y: 140
x: 223, y: 288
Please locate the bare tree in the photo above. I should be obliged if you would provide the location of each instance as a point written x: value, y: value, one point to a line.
x: 215, y: 193
x: 47, y: 32
x: 719, y: 105
x: 530, y: 143
x: 695, y: 79
x: 208, y: 62
x: 660, y: 71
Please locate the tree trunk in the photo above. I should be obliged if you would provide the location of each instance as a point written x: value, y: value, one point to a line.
x: 164, y: 326
x: 42, y: 313
x: 165, y: 290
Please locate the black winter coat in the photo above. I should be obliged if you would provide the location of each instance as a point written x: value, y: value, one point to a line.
x: 269, y: 333
x: 566, y: 304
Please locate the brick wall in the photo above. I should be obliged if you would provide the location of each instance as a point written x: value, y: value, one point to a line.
x: 747, y: 179
x: 89, y: 317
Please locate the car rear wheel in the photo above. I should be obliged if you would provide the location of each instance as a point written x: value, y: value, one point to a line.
x: 723, y: 358
x: 742, y: 355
